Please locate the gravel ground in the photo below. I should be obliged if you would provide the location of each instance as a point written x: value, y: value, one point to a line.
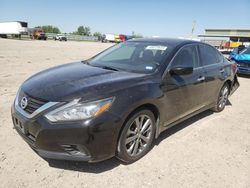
x: 208, y: 150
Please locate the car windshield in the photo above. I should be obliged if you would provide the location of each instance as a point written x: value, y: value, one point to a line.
x: 245, y: 51
x: 139, y: 57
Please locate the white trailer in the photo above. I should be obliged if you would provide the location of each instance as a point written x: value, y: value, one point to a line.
x: 108, y: 38
x: 13, y: 28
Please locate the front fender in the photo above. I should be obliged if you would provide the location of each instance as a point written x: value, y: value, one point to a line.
x: 127, y: 102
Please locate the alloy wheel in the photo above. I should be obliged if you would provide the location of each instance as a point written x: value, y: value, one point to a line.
x: 138, y: 135
x: 223, y: 97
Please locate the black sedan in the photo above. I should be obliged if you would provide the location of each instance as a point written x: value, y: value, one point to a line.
x: 119, y: 101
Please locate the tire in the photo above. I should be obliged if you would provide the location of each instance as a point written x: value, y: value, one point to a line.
x: 222, y: 98
x: 134, y: 142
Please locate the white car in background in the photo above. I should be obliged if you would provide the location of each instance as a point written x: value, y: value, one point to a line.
x: 60, y: 37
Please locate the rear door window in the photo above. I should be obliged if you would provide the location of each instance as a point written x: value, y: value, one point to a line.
x: 208, y: 55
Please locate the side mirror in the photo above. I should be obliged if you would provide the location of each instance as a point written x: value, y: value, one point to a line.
x: 182, y: 70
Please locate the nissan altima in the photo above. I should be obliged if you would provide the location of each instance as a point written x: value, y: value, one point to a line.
x: 119, y: 101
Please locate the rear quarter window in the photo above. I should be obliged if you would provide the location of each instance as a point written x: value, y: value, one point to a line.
x: 209, y: 55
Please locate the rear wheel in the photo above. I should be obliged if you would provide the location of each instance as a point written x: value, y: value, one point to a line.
x: 137, y: 136
x: 222, y: 99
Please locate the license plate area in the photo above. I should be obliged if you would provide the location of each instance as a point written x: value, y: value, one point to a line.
x: 20, y: 126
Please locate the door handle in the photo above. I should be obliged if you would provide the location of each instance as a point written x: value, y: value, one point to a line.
x: 222, y: 70
x: 201, y: 78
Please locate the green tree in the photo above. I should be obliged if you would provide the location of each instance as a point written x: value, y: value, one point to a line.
x: 97, y: 34
x: 82, y: 30
x: 50, y: 29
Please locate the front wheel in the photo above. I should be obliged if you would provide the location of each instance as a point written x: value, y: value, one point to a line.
x: 137, y: 136
x: 222, y: 99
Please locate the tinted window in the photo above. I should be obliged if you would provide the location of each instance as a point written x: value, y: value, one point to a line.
x: 219, y: 56
x: 124, y: 53
x: 208, y: 55
x: 141, y: 57
x: 186, y: 57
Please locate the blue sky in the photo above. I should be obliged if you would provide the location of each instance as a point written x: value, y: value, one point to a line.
x: 169, y: 18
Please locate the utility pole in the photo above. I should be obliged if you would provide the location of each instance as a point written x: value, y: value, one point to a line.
x: 193, y: 28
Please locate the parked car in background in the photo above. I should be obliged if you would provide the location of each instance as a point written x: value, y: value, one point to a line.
x: 60, y: 37
x: 242, y: 57
x: 119, y: 101
x: 38, y: 34
x: 117, y: 38
x: 123, y: 37
x: 120, y: 38
x: 237, y: 50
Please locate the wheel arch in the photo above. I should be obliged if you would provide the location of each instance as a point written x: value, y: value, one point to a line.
x: 149, y: 106
x: 229, y: 82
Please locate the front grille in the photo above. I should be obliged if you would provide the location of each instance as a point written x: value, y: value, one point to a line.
x: 20, y: 127
x: 33, y: 103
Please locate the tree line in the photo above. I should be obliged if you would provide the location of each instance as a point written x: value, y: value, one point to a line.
x: 81, y: 30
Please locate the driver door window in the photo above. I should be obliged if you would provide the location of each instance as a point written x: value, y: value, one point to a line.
x: 186, y: 57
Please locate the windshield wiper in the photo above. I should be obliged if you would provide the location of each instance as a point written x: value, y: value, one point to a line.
x: 106, y: 67
x: 110, y: 68
x: 85, y: 62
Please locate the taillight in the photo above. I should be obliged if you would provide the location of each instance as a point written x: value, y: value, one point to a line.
x: 234, y: 67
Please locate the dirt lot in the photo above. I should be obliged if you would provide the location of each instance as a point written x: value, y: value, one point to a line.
x: 208, y: 150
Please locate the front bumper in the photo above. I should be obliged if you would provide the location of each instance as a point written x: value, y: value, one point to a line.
x: 91, y: 140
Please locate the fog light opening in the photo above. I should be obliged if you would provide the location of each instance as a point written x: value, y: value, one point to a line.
x: 74, y: 149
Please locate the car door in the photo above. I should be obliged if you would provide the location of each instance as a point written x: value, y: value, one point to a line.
x: 183, y: 94
x: 214, y: 70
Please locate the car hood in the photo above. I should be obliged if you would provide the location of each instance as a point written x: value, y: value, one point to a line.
x: 77, y: 80
x: 241, y: 57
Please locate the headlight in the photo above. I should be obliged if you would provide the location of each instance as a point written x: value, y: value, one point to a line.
x: 76, y: 110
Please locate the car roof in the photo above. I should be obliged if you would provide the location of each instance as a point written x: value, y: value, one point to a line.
x: 166, y: 41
